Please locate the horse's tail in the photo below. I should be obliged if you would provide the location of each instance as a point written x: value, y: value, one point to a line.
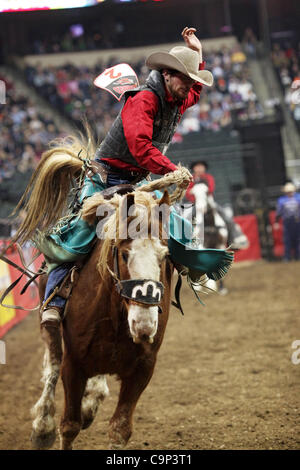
x: 45, y: 199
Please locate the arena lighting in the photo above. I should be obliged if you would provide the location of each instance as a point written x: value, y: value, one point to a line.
x: 7, y: 6
x: 137, y: 1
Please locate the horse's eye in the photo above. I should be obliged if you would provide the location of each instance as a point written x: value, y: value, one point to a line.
x: 125, y: 256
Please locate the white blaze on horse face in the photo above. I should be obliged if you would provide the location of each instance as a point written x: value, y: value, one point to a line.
x: 200, y: 191
x: 223, y: 231
x: 144, y: 263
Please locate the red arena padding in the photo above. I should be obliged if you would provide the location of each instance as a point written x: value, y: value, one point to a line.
x: 249, y: 226
x: 30, y: 299
x: 277, y: 233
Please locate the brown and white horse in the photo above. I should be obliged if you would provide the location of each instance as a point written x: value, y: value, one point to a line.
x: 106, y: 331
x: 210, y: 228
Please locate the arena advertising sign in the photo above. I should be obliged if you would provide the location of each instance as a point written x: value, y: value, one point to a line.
x: 117, y: 80
x: 31, y: 5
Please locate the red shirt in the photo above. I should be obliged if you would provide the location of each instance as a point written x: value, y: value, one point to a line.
x: 211, y: 186
x: 138, y: 116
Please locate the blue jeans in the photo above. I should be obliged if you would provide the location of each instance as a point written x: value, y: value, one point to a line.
x: 54, y: 279
x: 291, y: 239
x: 113, y: 180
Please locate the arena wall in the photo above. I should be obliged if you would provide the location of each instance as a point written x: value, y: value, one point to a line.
x: 9, y: 317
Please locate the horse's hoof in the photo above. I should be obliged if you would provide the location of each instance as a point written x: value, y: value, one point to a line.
x: 223, y: 291
x: 117, y: 441
x: 86, y: 422
x: 43, y: 440
x: 116, y: 447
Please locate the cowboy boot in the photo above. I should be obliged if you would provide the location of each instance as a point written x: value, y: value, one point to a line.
x: 51, y: 332
x: 51, y: 316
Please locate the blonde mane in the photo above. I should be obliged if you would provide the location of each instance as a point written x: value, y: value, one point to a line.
x: 45, y: 199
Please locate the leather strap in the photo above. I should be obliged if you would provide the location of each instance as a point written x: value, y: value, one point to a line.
x: 13, y: 285
x: 118, y: 189
x: 177, y: 304
x: 20, y: 251
x: 40, y: 271
x: 98, y: 168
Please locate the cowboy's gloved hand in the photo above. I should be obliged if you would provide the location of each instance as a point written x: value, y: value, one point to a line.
x: 191, y: 40
x: 185, y: 184
x: 186, y: 177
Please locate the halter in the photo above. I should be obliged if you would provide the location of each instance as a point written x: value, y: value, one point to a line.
x: 142, y: 291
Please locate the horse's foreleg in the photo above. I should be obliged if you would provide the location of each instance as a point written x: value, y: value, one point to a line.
x: 95, y: 392
x: 131, y: 388
x: 74, y: 384
x: 44, y: 432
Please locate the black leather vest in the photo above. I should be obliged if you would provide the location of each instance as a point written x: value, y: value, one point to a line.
x: 165, y: 122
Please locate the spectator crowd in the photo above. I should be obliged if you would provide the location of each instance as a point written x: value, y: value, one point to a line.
x: 26, y: 130
x: 24, y: 133
x: 70, y: 88
x: 286, y: 60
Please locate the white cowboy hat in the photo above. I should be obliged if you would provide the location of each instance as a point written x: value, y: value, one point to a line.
x: 289, y: 188
x: 183, y: 59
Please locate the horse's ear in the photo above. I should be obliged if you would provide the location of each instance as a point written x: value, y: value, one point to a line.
x: 165, y: 199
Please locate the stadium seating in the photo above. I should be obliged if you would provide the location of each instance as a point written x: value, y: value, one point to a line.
x: 25, y: 131
x: 286, y: 60
x: 70, y: 88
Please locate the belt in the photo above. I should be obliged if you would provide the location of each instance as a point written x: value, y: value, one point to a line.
x: 133, y: 176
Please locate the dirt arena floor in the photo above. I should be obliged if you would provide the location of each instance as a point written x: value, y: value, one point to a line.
x: 224, y: 378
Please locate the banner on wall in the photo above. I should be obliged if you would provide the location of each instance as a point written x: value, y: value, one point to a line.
x: 30, y: 299
x: 277, y: 233
x: 249, y: 226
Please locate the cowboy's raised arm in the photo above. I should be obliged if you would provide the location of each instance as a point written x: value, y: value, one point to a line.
x: 192, y: 41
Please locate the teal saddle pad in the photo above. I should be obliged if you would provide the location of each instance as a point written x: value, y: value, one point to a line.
x: 212, y: 262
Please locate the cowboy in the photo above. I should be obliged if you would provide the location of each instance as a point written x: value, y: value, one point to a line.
x: 139, y: 137
x: 136, y: 144
x: 236, y: 238
x: 288, y: 208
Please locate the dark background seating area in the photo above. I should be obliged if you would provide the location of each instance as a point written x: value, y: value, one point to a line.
x: 25, y: 132
x: 286, y: 60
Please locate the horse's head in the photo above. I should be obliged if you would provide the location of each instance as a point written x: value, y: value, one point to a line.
x: 200, y: 191
x: 136, y: 257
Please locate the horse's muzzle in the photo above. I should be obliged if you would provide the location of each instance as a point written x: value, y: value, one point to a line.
x: 143, y: 291
x: 143, y: 322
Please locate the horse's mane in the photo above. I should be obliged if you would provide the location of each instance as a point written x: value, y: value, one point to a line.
x: 45, y: 199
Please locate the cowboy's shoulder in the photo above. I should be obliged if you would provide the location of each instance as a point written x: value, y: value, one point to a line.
x: 145, y: 97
